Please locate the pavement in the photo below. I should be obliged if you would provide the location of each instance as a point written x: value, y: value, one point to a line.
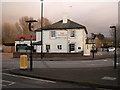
x: 74, y: 58
x: 98, y: 55
x: 99, y: 77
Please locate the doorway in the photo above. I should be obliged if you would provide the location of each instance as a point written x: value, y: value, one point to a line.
x: 47, y: 48
x: 71, y: 47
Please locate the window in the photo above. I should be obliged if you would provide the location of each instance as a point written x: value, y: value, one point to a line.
x: 59, y: 47
x: 72, y: 33
x: 72, y: 47
x: 47, y: 48
x: 79, y: 47
x: 53, y: 33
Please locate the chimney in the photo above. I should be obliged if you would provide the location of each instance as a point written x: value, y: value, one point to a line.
x: 65, y: 18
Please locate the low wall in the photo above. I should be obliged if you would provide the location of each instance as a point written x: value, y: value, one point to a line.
x: 46, y: 55
x: 8, y: 49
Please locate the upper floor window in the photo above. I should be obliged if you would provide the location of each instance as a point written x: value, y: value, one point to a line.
x: 53, y: 33
x: 72, y: 33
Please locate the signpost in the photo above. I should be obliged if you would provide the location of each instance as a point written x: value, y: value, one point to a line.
x: 31, y: 29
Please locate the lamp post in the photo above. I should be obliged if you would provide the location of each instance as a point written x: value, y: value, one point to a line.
x: 41, y: 29
x: 93, y: 46
x: 31, y: 34
x: 115, y: 39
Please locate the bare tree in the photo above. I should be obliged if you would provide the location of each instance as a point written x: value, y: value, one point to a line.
x: 8, y: 33
x: 112, y: 33
x: 23, y: 28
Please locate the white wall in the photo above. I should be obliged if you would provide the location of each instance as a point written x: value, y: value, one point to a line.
x: 87, y: 49
x: 53, y: 42
x: 38, y: 36
x: 38, y: 48
x: 79, y: 40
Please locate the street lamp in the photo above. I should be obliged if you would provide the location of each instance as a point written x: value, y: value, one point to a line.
x: 41, y: 29
x: 93, y: 46
x: 115, y: 39
x: 31, y: 29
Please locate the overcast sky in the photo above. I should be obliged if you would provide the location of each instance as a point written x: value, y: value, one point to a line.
x: 96, y: 16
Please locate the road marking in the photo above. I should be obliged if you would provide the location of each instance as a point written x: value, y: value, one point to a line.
x: 109, y: 78
x: 2, y: 85
x: 105, y: 60
x: 92, y: 64
x: 49, y: 81
x: 86, y: 61
x: 8, y: 69
x: 117, y: 63
x: 10, y: 82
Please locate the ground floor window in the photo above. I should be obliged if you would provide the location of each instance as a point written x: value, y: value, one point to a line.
x: 59, y: 47
x: 71, y: 47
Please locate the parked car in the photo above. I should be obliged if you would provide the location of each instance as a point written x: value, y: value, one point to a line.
x: 111, y: 49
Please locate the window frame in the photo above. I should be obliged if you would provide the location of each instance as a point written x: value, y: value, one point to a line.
x: 72, y: 47
x: 72, y: 33
x: 59, y: 47
x: 52, y: 34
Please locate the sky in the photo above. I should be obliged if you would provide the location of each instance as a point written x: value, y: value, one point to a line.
x: 96, y: 15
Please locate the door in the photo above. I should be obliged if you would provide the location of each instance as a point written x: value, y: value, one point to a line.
x: 47, y: 48
x: 71, y: 47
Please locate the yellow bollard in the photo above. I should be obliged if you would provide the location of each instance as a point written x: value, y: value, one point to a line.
x: 23, y: 62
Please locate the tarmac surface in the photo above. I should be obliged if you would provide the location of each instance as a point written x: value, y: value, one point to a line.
x: 104, y: 77
x: 96, y: 77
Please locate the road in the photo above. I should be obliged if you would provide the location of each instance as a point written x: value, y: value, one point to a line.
x: 12, y: 63
x: 16, y: 81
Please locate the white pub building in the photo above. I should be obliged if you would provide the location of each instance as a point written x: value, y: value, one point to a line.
x: 64, y: 36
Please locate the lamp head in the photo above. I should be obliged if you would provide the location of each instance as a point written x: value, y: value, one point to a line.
x: 112, y: 26
x: 30, y: 21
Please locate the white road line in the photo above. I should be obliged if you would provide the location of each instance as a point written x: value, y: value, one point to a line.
x: 49, y: 81
x: 7, y: 81
x: 8, y: 69
x: 117, y: 63
x: 108, y: 78
x: 105, y: 60
x: 2, y: 85
x: 85, y: 61
x: 11, y: 83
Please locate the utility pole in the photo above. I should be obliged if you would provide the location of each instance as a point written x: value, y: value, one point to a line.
x: 93, y: 46
x: 41, y: 29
